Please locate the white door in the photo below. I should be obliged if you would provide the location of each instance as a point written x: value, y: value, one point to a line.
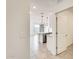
x: 62, y: 20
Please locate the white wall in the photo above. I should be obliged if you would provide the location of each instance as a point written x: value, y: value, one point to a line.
x: 17, y: 29
x: 70, y: 27
x: 51, y: 43
x: 64, y: 4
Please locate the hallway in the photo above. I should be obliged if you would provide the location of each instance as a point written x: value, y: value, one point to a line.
x: 40, y: 51
x: 54, y: 18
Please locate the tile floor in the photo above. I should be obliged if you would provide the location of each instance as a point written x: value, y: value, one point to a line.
x: 40, y: 51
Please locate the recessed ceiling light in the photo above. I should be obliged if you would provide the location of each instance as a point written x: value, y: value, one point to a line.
x: 34, y: 7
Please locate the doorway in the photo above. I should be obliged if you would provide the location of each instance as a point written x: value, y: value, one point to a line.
x: 64, y: 30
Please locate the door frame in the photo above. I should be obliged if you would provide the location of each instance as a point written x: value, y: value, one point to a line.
x: 57, y: 28
x: 56, y: 35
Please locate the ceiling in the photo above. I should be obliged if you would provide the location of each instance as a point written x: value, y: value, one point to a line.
x: 44, y: 6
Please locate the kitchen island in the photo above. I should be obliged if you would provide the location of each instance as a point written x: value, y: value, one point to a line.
x: 43, y: 36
